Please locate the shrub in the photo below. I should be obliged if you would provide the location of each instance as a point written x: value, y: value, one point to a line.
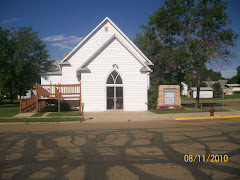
x: 152, y: 97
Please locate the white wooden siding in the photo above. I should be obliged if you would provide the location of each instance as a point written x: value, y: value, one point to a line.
x: 184, y: 89
x: 203, y: 94
x: 134, y: 82
x: 89, y: 48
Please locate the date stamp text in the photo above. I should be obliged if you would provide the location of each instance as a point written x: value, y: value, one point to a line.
x: 203, y: 158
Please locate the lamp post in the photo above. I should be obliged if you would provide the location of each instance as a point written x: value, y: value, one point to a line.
x: 82, y: 110
x: 222, y: 83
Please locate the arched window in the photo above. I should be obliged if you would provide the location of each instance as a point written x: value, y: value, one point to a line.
x: 114, y: 78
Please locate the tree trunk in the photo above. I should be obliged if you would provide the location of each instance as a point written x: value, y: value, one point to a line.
x: 0, y: 95
x: 198, y: 90
x: 190, y: 85
x: 11, y: 94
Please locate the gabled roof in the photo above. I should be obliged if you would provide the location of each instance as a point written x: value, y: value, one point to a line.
x: 93, y: 31
x: 145, y: 68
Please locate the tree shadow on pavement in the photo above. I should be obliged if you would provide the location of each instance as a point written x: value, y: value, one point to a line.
x: 153, y: 153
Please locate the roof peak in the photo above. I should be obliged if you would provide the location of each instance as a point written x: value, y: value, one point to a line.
x: 115, y: 26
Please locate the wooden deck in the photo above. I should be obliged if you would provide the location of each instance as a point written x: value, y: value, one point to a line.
x: 51, y: 91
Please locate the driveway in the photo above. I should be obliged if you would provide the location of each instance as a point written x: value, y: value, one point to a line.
x: 127, y: 150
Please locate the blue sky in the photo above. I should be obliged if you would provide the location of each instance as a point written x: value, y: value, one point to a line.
x: 62, y: 24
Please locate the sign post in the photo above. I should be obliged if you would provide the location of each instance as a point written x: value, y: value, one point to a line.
x: 82, y: 110
x: 223, y: 83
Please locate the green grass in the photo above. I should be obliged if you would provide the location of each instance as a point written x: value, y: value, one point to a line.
x: 58, y: 119
x: 7, y: 109
x: 70, y: 113
x: 235, y: 96
x: 39, y: 114
x: 187, y: 110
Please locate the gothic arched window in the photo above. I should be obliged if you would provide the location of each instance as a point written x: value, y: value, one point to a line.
x: 114, y: 78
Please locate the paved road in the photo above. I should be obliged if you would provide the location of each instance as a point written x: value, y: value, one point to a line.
x: 135, y: 150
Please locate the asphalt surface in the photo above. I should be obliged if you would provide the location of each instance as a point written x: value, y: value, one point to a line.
x: 126, y: 150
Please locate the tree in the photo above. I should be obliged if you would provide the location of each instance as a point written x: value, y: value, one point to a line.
x: 5, y: 55
x: 203, y: 84
x: 194, y: 32
x: 24, y: 57
x: 236, y: 79
x: 209, y: 74
x: 217, y: 90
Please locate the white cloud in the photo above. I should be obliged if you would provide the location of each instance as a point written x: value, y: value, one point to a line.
x: 9, y: 20
x: 61, y: 45
x: 74, y: 39
x: 228, y: 73
x: 63, y: 42
x: 54, y: 38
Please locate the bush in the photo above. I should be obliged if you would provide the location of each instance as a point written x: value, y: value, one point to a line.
x: 236, y: 92
x: 152, y: 97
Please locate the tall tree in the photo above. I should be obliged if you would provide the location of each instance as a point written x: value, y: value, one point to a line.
x: 238, y: 75
x: 236, y: 79
x: 5, y: 55
x: 195, y: 31
x: 23, y: 61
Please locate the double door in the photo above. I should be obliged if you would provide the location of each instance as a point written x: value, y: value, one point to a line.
x: 114, y: 98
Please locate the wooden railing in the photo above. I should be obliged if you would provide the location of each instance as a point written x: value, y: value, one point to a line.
x: 42, y: 91
x: 63, y: 90
x: 41, y: 104
x: 56, y: 91
x: 25, y: 103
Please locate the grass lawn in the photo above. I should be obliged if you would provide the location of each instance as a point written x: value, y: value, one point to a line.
x: 58, y: 119
x: 235, y: 96
x: 187, y: 110
x: 38, y: 114
x: 69, y: 113
x: 7, y: 109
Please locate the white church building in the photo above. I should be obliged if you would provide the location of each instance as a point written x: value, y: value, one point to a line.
x: 113, y: 72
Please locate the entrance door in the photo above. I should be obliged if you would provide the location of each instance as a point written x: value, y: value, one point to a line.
x: 114, y: 98
x: 114, y: 91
